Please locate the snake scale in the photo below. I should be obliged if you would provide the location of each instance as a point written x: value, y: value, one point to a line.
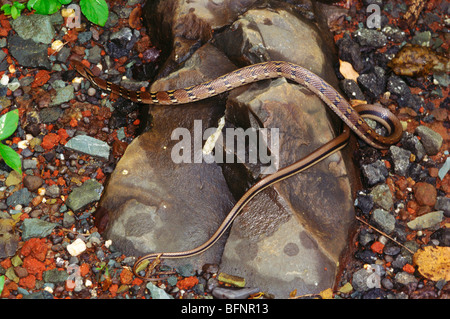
x: 352, y: 118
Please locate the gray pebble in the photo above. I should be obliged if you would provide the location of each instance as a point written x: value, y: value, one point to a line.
x: 375, y: 172
x: 405, y: 278
x: 382, y: 196
x: 400, y: 158
x: 431, y: 140
x: 384, y: 220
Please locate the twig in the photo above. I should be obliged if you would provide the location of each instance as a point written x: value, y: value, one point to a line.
x: 384, y: 234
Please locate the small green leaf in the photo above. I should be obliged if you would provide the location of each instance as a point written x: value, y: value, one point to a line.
x: 45, y: 6
x: 65, y: 1
x: 95, y: 11
x: 2, y: 283
x: 6, y: 8
x: 11, y: 158
x: 14, y: 12
x: 3, y: 7
x: 19, y: 5
x: 8, y: 124
x: 30, y: 4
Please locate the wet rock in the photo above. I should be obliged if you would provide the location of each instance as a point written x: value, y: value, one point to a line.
x: 160, y: 221
x: 87, y: 193
x: 425, y: 194
x: 428, y: 220
x: 270, y: 238
x: 28, y: 53
x: 89, y: 145
x: 401, y: 159
x: 375, y: 172
x: 382, y: 196
x: 384, y: 220
x: 37, y: 27
x: 34, y: 227
x: 431, y: 140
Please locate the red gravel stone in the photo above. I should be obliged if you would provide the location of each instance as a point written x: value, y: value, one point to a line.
x: 425, y: 194
x: 36, y: 248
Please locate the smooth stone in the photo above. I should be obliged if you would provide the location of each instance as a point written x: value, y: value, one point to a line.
x: 426, y: 221
x: 89, y: 192
x: 384, y: 220
x: 89, y: 145
x: 37, y: 27
x: 36, y: 228
x: 431, y: 140
x: 157, y: 293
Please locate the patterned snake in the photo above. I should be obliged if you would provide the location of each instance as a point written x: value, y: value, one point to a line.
x: 352, y: 118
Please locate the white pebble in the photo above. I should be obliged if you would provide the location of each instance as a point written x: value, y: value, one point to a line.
x: 88, y: 283
x: 49, y: 289
x: 57, y: 45
x: 4, y: 80
x: 77, y: 247
x: 108, y: 243
x: 23, y: 144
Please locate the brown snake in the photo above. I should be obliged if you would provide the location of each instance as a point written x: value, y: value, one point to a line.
x: 352, y: 118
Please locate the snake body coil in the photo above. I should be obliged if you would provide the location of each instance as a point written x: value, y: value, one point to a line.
x: 352, y: 117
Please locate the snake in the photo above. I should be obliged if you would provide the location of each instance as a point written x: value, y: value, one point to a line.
x: 352, y: 117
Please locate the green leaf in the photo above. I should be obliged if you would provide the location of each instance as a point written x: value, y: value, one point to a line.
x: 95, y: 11
x: 8, y: 124
x: 11, y: 158
x: 2, y: 280
x: 65, y: 1
x: 19, y: 5
x: 3, y: 7
x: 45, y: 6
x: 14, y: 12
x: 6, y: 8
x: 30, y: 4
